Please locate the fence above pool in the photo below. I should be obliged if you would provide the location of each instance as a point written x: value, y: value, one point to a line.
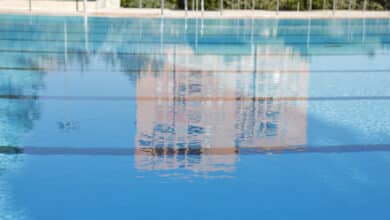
x: 198, y: 6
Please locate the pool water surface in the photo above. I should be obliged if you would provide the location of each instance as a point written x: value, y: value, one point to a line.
x: 120, y: 118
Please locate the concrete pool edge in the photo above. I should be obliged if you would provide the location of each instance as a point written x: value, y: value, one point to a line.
x: 227, y: 14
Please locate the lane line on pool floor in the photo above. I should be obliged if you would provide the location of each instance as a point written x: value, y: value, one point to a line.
x: 149, y: 151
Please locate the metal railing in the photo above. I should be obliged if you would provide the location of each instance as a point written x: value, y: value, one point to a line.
x: 333, y: 5
x: 222, y: 5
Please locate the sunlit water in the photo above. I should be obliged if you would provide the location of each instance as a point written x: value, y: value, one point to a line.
x: 117, y: 118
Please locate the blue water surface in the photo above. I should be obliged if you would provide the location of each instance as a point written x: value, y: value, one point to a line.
x: 121, y: 118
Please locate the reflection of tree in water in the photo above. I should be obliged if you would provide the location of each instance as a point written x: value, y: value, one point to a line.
x: 127, y: 61
x: 74, y: 57
x: 17, y: 116
x: 134, y: 66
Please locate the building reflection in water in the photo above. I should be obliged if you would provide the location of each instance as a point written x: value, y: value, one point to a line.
x: 199, y: 111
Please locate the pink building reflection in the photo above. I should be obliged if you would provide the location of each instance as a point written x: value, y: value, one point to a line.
x: 217, y: 107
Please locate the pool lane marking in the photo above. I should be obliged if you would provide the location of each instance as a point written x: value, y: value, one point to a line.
x: 189, y: 98
x: 150, y: 151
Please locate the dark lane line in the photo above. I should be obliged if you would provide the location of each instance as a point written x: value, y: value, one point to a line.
x: 147, y: 151
x: 188, y: 98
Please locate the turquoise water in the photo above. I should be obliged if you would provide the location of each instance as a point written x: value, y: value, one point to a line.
x: 119, y: 118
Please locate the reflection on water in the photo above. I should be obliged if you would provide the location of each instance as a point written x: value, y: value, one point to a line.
x: 200, y: 91
x: 186, y: 107
x: 17, y: 117
x: 8, y: 163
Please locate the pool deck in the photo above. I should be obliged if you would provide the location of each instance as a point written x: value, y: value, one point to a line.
x: 69, y: 9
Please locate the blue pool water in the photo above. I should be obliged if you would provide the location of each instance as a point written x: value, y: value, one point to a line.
x: 119, y: 118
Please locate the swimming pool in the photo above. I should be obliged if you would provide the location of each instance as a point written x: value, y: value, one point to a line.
x: 119, y: 118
